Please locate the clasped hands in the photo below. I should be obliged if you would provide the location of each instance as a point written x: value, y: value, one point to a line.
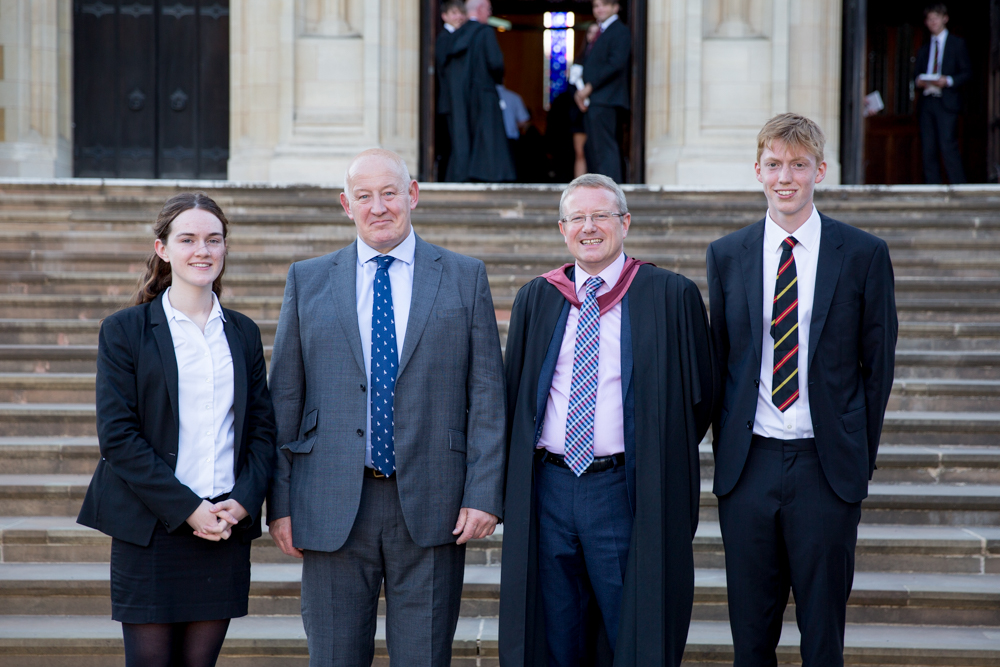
x: 215, y: 521
x: 471, y: 525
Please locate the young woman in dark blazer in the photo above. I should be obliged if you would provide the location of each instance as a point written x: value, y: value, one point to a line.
x: 186, y: 431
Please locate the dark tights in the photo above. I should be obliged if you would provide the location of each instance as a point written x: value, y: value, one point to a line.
x: 194, y: 644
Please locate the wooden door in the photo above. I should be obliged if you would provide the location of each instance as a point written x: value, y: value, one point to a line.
x: 151, y: 88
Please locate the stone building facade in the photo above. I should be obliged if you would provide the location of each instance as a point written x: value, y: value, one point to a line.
x: 312, y: 82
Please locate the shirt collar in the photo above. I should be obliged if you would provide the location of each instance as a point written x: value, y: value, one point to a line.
x: 609, y: 275
x: 806, y: 236
x: 404, y: 252
x: 449, y: 27
x: 942, y: 37
x: 611, y: 19
x: 174, y: 314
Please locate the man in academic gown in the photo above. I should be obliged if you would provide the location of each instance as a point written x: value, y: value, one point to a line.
x: 610, y: 388
x: 470, y: 70
x: 453, y: 17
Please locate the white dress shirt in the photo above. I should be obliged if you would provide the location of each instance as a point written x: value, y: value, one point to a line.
x: 609, y: 434
x: 401, y: 281
x: 796, y: 421
x: 205, y: 401
x: 449, y: 27
x: 611, y: 19
x: 940, y: 38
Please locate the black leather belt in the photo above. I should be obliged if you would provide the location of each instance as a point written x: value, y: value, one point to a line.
x: 600, y: 463
x: 376, y: 474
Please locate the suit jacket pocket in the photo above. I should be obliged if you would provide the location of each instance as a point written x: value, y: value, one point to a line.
x: 450, y: 312
x: 300, y: 446
x: 855, y: 420
x: 456, y: 441
x: 309, y: 423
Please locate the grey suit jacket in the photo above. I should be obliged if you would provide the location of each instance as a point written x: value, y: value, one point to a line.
x: 449, y: 409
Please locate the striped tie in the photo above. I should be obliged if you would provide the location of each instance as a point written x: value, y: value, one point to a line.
x: 583, y: 385
x: 785, y: 330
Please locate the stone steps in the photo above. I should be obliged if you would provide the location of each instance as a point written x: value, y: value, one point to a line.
x: 279, y: 641
x: 887, y: 597
x: 929, y: 548
x: 881, y: 548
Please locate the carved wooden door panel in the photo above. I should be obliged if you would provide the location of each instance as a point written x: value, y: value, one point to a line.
x: 151, y: 88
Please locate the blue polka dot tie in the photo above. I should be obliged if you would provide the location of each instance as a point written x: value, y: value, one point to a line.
x: 385, y: 361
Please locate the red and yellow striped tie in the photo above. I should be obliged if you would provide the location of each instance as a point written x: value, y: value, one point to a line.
x: 785, y: 330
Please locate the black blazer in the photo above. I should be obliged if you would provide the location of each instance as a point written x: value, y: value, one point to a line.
x: 852, y: 349
x: 955, y: 63
x: 137, y: 426
x: 606, y: 67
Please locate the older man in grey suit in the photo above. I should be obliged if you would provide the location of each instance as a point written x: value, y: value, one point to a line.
x: 387, y: 381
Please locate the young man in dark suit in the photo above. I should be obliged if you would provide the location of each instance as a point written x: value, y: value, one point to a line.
x: 946, y: 58
x: 804, y: 324
x: 604, y: 96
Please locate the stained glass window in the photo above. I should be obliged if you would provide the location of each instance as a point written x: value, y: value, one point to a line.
x: 558, y: 44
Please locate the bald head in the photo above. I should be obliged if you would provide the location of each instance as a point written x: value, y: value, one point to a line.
x: 376, y: 159
x: 378, y: 196
x: 481, y: 10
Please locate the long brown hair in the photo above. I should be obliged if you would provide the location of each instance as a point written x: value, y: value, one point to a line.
x: 158, y: 277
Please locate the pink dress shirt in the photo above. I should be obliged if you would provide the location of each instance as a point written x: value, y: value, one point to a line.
x: 609, y: 436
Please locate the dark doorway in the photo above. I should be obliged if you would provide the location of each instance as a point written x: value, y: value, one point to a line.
x: 895, y: 32
x: 151, y: 88
x: 523, y: 48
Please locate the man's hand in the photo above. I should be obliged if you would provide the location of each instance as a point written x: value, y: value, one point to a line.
x: 581, y: 96
x: 473, y: 525
x: 281, y: 533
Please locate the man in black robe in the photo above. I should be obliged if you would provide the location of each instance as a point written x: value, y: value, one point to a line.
x: 469, y: 71
x: 603, y: 450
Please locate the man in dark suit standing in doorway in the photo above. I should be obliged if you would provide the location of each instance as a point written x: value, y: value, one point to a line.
x: 803, y: 318
x: 943, y: 66
x: 604, y: 96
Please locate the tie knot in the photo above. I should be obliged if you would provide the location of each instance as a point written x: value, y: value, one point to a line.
x: 593, y: 284
x: 790, y: 242
x: 384, y: 261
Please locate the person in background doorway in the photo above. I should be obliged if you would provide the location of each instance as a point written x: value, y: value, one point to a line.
x: 453, y: 17
x: 471, y: 68
x: 187, y: 432
x: 605, y: 97
x: 515, y: 122
x: 576, y: 115
x: 943, y: 67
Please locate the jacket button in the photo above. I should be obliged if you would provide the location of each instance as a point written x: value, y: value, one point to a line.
x: 364, y: 388
x: 750, y: 425
x: 534, y: 420
x: 361, y: 433
x: 756, y: 383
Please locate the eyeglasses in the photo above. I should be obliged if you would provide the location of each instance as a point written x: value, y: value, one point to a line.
x: 598, y: 218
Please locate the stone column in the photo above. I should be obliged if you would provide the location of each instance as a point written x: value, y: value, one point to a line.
x: 719, y: 69
x: 36, y: 97
x: 316, y: 81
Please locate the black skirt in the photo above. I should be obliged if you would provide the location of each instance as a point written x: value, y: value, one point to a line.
x: 179, y: 578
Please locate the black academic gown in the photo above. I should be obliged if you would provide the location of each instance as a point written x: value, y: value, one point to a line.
x: 668, y: 391
x: 472, y: 67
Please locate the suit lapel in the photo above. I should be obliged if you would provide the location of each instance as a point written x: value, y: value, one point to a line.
x: 168, y: 360
x: 426, y: 280
x: 240, y: 382
x: 343, y: 274
x: 752, y: 261
x: 831, y: 258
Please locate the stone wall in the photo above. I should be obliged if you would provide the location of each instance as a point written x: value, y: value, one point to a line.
x: 313, y: 82
x: 36, y: 95
x: 718, y: 69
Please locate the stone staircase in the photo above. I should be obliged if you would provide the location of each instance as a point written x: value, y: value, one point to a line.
x: 927, y: 590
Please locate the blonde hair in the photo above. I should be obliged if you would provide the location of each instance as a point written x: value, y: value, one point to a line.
x: 793, y: 130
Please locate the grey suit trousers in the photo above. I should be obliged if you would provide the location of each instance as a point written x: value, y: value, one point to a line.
x: 340, y: 590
